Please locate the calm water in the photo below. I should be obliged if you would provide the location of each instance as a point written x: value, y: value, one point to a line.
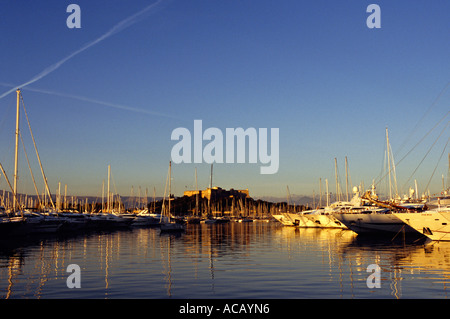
x: 235, y: 260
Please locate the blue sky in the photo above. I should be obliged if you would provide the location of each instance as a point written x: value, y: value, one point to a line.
x: 313, y: 69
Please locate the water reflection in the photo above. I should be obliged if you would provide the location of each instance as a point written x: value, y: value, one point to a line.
x: 235, y: 260
x: 408, y: 267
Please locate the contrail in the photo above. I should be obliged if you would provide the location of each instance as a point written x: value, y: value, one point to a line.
x: 90, y: 100
x: 115, y: 29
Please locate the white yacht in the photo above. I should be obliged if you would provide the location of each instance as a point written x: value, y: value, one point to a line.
x: 376, y: 218
x: 316, y: 218
x: 434, y: 222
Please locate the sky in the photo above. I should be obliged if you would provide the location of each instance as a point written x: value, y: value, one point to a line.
x: 112, y: 91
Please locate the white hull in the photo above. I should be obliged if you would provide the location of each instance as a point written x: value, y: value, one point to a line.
x: 309, y: 219
x: 283, y: 219
x: 374, y: 223
x: 325, y: 221
x: 302, y: 220
x: 435, y: 224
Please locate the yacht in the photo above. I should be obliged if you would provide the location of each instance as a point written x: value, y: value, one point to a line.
x: 376, y: 217
x: 434, y: 222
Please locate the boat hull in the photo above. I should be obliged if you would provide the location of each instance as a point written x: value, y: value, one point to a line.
x: 307, y: 220
x: 283, y: 219
x: 374, y: 223
x: 433, y: 224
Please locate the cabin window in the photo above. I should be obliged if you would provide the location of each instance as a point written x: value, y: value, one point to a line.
x: 427, y: 231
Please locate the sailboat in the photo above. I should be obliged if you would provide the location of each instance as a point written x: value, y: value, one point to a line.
x: 167, y: 223
x: 110, y: 217
x: 30, y: 222
x: 195, y: 218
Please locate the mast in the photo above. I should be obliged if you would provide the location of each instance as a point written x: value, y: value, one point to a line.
x: 346, y: 177
x: 170, y: 182
x: 320, y: 191
x: 108, y: 198
x: 338, y: 196
x: 58, y: 199
x: 146, y: 198
x: 103, y: 196
x: 196, y: 193
x: 16, y: 154
x: 210, y: 191
x: 417, y: 193
x: 154, y: 199
x: 140, y: 200
x: 389, y: 163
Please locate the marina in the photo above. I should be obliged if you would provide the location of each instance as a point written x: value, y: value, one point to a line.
x: 232, y: 114
x: 218, y: 243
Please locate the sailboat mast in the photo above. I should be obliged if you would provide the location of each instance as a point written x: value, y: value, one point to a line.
x: 154, y: 199
x: 389, y: 163
x: 103, y: 196
x: 338, y: 196
x: 346, y: 178
x: 196, y: 193
x: 108, y: 198
x: 170, y: 179
x: 320, y: 191
x: 16, y: 154
x: 210, y: 191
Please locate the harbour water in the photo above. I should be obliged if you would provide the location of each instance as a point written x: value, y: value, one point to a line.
x: 257, y: 260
